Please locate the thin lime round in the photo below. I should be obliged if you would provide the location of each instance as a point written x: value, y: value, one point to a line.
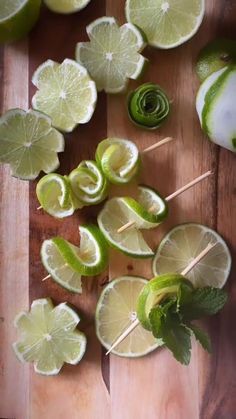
x: 49, y: 337
x: 166, y: 24
x: 119, y: 160
x: 65, y: 92
x: 113, y: 54
x: 66, y: 6
x: 116, y: 310
x: 182, y: 244
x: 29, y: 143
x: 17, y: 18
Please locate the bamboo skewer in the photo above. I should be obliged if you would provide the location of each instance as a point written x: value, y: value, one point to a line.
x: 191, y: 265
x: 172, y: 196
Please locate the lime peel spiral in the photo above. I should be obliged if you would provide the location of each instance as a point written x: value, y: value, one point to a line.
x: 148, y: 106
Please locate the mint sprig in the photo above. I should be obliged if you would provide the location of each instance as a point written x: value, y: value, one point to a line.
x: 171, y: 320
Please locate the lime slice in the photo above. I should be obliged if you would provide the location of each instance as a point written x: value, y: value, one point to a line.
x: 88, y: 183
x: 59, y: 270
x: 215, y: 56
x: 54, y: 195
x: 116, y: 310
x: 29, y: 144
x: 89, y: 259
x: 66, y: 6
x: 117, y: 212
x: 154, y: 292
x: 17, y: 18
x: 119, y: 159
x: 182, y: 244
x: 48, y: 337
x: 113, y: 54
x: 65, y: 92
x: 166, y: 24
x: 216, y: 107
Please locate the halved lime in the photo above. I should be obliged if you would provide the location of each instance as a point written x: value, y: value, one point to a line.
x: 66, y: 6
x: 154, y: 292
x: 119, y: 159
x: 54, y: 194
x: 89, y: 259
x: 115, y: 312
x: 166, y: 24
x: 145, y: 213
x: 65, y: 92
x: 48, y: 337
x: 88, y: 183
x: 182, y: 244
x: 113, y: 54
x: 17, y: 18
x: 215, y: 55
x: 216, y: 107
x: 29, y: 144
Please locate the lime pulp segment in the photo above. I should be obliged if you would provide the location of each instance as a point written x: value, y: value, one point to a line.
x: 166, y: 24
x: 116, y: 310
x: 49, y: 337
x: 182, y: 244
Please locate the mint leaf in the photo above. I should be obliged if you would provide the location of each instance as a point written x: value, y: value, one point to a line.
x: 202, y: 337
x: 204, y: 302
x: 175, y: 335
x: 184, y: 295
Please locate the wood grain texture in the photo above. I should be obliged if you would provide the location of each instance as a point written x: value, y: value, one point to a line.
x: 155, y: 387
x: 14, y: 245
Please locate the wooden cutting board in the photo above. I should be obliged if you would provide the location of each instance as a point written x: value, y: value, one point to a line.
x: 155, y: 387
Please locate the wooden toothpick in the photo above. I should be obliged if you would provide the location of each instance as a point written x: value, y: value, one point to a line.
x: 135, y: 324
x: 156, y: 145
x: 172, y: 196
x: 46, y: 277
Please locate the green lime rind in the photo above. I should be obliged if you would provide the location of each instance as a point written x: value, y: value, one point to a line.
x: 88, y: 183
x: 70, y: 253
x: 59, y: 271
x: 66, y: 7
x: 214, y: 56
x: 137, y: 206
x: 18, y: 24
x: 148, y: 106
x: 62, y: 205
x: 158, y: 287
x: 119, y: 159
x: 213, y: 94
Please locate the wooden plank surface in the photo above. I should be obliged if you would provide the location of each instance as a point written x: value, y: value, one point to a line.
x: 155, y: 386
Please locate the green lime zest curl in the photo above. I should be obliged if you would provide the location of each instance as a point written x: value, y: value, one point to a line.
x: 148, y: 106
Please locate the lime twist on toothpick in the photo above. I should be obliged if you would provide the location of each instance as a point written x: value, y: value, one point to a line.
x: 161, y: 295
